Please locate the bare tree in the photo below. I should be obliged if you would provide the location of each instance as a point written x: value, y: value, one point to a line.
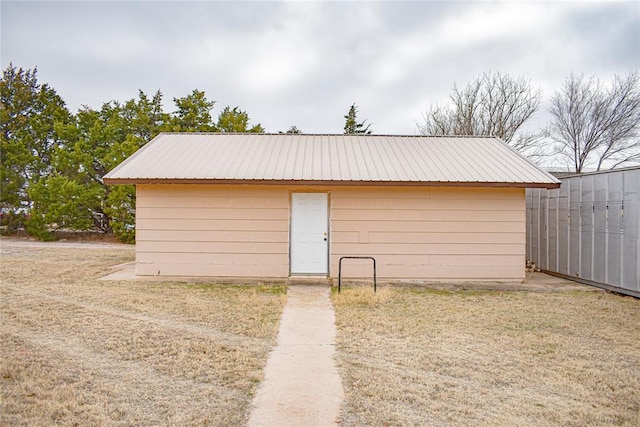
x: 535, y: 145
x: 493, y: 104
x: 595, y: 124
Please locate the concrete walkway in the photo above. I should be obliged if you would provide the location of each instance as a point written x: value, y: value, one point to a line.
x: 302, y: 386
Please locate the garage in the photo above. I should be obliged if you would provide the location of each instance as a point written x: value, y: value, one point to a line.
x: 282, y: 205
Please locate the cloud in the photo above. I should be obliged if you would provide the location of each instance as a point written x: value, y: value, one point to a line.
x: 304, y: 63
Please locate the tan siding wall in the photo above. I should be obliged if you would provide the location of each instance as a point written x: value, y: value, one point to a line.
x: 429, y: 233
x: 204, y: 230
x: 414, y: 233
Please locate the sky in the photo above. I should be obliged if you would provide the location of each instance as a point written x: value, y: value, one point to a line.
x: 305, y: 63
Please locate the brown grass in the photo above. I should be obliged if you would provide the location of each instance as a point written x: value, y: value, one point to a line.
x: 78, y: 351
x: 459, y: 358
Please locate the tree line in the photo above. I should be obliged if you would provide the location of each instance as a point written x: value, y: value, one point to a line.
x: 52, y: 161
x: 592, y: 123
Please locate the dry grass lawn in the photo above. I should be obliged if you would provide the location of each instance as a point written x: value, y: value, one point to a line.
x: 78, y: 351
x: 461, y: 358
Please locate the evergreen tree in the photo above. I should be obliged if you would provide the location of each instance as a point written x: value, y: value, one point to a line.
x: 236, y: 120
x: 74, y: 195
x: 351, y: 125
x: 30, y: 116
x: 52, y: 162
x: 193, y: 113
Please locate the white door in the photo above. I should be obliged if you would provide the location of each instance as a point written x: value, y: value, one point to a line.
x: 309, y: 233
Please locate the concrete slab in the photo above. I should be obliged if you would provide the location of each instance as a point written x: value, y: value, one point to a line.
x: 302, y: 386
x: 126, y: 271
x: 534, y: 281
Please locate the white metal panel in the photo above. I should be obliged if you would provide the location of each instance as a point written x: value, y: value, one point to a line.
x: 534, y: 228
x: 614, y: 229
x: 631, y: 231
x: 587, y: 232
x: 309, y: 233
x: 574, y: 227
x: 544, y: 211
x: 563, y: 229
x: 598, y: 226
x: 552, y: 229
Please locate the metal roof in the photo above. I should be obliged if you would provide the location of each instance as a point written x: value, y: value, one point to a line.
x: 329, y: 159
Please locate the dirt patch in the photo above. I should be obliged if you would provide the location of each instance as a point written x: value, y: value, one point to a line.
x: 78, y: 351
x: 416, y: 356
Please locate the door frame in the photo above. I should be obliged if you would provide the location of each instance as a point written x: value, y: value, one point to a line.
x: 328, y: 193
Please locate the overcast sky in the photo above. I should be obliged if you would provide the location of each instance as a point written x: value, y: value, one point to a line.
x: 305, y: 63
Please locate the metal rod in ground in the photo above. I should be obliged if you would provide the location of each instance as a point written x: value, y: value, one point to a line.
x: 375, y: 283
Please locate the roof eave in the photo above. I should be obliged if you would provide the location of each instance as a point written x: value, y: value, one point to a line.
x: 124, y: 181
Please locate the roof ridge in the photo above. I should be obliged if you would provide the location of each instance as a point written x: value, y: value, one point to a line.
x: 331, y: 134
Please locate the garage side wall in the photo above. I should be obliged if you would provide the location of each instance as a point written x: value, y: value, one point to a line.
x: 435, y: 233
x: 205, y: 230
x: 429, y: 233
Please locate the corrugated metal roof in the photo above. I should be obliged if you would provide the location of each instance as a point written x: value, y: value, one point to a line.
x: 370, y: 159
